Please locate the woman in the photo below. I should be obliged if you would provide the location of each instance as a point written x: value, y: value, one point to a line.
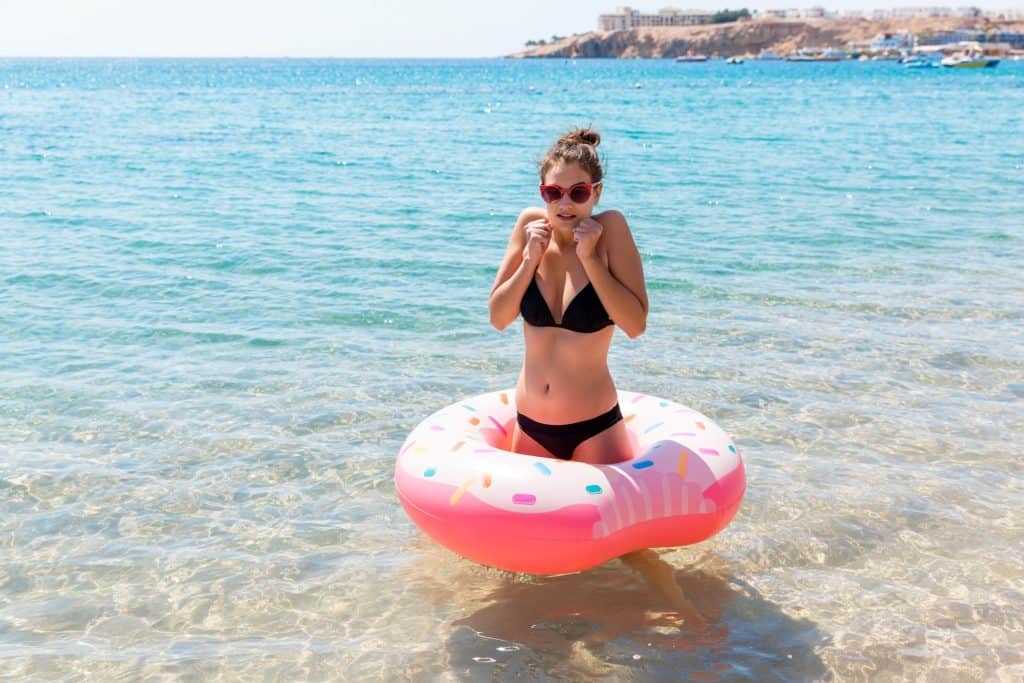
x: 573, y: 276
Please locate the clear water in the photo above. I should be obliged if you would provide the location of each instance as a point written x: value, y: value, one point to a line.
x: 228, y: 289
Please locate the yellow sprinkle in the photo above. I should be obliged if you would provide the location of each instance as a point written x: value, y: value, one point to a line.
x: 626, y: 419
x: 458, y: 446
x: 682, y: 464
x: 462, y: 489
x: 504, y: 398
x: 420, y: 450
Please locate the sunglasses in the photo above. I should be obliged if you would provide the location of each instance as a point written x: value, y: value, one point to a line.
x: 578, y: 193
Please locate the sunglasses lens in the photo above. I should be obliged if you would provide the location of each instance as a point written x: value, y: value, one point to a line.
x: 550, y: 194
x: 579, y: 193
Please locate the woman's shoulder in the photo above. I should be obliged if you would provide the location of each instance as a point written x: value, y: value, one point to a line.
x: 532, y: 213
x: 610, y: 217
x: 612, y: 221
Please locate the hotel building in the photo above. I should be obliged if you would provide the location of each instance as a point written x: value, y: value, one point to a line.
x: 627, y: 17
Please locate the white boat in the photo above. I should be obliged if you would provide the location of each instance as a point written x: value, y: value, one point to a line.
x: 969, y: 60
x: 692, y: 58
x: 734, y: 60
x: 768, y: 55
x: 919, y: 62
x: 816, y: 55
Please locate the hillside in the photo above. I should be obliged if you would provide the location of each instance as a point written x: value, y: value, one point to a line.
x: 744, y: 37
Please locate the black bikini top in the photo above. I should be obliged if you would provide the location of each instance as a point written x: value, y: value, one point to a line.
x: 585, y: 313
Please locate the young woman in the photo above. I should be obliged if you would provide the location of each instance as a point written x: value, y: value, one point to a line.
x: 573, y: 276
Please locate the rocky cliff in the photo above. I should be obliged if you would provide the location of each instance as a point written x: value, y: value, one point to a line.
x: 744, y: 37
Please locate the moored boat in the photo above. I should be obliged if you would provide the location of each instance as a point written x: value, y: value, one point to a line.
x: 970, y: 60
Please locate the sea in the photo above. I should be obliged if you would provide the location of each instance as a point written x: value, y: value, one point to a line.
x: 230, y: 288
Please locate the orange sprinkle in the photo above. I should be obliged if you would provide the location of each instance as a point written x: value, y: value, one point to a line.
x: 682, y: 464
x: 458, y: 446
x: 487, y: 481
x: 504, y: 398
x: 462, y: 489
x: 701, y: 425
x: 628, y: 418
x: 474, y: 421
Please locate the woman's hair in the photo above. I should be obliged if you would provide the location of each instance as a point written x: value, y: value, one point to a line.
x: 578, y: 146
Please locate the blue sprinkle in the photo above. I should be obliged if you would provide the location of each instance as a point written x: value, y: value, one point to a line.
x: 430, y: 471
x: 542, y: 468
x: 664, y: 404
x: 469, y: 408
x: 642, y: 465
x: 653, y: 427
x: 732, y: 448
x: 593, y: 489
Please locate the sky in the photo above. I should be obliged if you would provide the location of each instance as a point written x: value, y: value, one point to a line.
x: 328, y: 28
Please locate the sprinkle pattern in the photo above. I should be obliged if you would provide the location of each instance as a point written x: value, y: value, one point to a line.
x: 681, y: 456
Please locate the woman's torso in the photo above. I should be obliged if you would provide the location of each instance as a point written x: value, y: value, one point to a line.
x: 565, y: 375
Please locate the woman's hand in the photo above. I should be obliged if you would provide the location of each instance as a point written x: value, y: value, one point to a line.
x: 538, y: 235
x: 587, y: 232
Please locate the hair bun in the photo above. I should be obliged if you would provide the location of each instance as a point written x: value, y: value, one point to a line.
x: 584, y: 136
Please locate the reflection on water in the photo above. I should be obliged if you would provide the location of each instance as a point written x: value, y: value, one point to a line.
x: 639, y: 618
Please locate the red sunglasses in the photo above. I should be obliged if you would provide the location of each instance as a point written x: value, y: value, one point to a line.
x: 578, y: 193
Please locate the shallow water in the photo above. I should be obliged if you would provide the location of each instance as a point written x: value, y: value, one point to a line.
x: 230, y: 289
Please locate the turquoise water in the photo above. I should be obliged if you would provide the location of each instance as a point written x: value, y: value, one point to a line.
x: 228, y: 289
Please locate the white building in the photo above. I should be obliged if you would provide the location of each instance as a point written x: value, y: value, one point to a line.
x: 907, y: 12
x: 893, y: 41
x: 627, y: 17
x: 794, y: 13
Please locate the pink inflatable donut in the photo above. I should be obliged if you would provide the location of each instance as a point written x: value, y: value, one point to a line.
x: 463, y: 488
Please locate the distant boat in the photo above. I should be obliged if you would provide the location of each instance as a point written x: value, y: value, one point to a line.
x: 768, y: 55
x: 692, y: 58
x: 970, y: 60
x: 810, y: 55
x: 734, y: 60
x: 919, y: 62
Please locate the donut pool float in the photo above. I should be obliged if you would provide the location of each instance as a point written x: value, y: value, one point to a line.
x: 461, y: 486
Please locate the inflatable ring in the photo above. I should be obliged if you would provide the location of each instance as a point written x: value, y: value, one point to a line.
x: 463, y: 488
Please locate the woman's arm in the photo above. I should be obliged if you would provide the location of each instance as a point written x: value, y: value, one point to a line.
x: 515, y: 272
x: 620, y: 284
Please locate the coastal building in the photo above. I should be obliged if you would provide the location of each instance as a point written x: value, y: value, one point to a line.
x: 1014, y: 39
x: 893, y: 41
x: 792, y: 13
x: 627, y: 17
x: 958, y: 35
x: 910, y: 12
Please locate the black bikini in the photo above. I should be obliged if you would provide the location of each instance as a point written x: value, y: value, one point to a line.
x: 585, y: 313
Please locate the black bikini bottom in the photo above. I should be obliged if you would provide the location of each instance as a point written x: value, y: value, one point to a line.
x: 562, y: 440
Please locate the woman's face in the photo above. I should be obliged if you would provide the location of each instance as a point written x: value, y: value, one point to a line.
x: 565, y: 213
